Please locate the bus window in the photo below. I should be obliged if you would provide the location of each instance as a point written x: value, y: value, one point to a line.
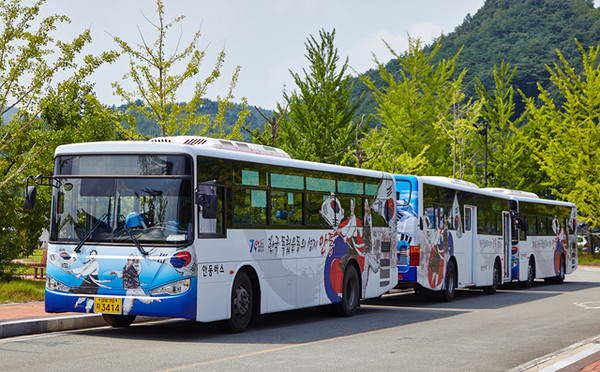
x: 287, y: 181
x: 286, y: 208
x: 313, y: 209
x: 467, y: 219
x: 532, y: 224
x: 350, y: 187
x: 320, y: 184
x: 249, y: 207
x: 206, y: 225
x: 542, y: 224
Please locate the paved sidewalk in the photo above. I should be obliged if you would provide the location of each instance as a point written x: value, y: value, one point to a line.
x: 583, y: 356
x: 31, y: 318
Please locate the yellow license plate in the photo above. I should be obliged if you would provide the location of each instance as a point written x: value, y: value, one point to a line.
x: 107, y: 305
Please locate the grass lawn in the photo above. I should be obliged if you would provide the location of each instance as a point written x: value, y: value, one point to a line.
x: 589, y: 259
x: 22, y: 290
x: 36, y: 256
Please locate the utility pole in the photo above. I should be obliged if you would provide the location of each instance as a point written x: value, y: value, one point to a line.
x: 484, y: 132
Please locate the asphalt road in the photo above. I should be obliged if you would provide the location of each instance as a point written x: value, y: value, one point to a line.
x: 403, y: 331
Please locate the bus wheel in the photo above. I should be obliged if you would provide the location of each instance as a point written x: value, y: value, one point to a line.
x: 241, y: 304
x: 560, y: 278
x: 448, y: 292
x: 118, y: 320
x: 495, y: 280
x: 350, y: 293
x: 530, y: 275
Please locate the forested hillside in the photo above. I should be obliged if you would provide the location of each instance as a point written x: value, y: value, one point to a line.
x: 149, y: 128
x: 524, y: 33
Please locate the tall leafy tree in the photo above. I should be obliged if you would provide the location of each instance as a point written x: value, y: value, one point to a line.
x: 319, y: 125
x: 566, y: 134
x: 151, y: 69
x: 32, y: 63
x: 457, y: 115
x: 509, y: 159
x: 408, y: 107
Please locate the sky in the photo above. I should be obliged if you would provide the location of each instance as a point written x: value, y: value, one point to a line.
x: 265, y: 37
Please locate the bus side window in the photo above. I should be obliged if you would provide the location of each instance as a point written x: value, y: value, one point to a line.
x: 532, y: 223
x: 286, y: 208
x: 468, y: 219
x: 210, y: 210
x: 250, y: 206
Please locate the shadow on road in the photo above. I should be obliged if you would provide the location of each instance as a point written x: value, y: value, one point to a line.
x: 307, y: 325
x: 465, y: 299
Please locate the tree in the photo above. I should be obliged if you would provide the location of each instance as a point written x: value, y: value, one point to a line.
x: 566, y: 133
x: 30, y: 61
x: 456, y: 119
x: 408, y: 109
x: 156, y: 85
x: 268, y: 136
x: 319, y: 125
x: 509, y: 159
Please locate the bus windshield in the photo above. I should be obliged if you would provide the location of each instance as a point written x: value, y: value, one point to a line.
x: 122, y: 210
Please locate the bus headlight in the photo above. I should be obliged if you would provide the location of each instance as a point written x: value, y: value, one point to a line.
x: 172, y: 289
x: 54, y: 285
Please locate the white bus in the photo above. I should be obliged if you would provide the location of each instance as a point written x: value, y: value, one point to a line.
x: 453, y: 234
x: 214, y: 230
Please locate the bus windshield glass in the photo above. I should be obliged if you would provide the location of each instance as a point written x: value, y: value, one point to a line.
x: 147, y: 209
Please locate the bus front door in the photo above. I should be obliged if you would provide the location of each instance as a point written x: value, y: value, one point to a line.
x: 507, y: 239
x: 471, y: 256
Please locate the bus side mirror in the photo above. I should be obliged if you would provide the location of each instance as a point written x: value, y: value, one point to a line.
x: 209, y: 204
x: 30, y: 197
x: 522, y: 224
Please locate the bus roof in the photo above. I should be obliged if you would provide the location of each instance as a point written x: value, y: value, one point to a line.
x: 183, y: 145
x: 521, y: 196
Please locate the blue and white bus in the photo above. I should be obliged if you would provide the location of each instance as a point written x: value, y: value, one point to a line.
x: 214, y: 230
x: 453, y: 234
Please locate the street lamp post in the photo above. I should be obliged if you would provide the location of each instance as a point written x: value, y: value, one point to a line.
x: 484, y: 132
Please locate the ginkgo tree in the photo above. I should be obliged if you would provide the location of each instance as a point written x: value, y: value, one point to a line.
x: 509, y: 160
x: 566, y: 133
x: 409, y: 106
x: 158, y: 76
x: 35, y: 70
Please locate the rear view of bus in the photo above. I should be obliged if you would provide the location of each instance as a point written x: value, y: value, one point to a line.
x: 120, y: 235
x: 409, y: 251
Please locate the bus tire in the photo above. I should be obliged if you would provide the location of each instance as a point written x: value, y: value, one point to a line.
x: 118, y: 321
x: 528, y: 283
x: 350, y: 293
x: 241, y: 304
x: 560, y: 278
x: 495, y: 279
x: 448, y: 292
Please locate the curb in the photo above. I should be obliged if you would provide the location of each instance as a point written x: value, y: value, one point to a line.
x: 562, y: 358
x: 56, y: 324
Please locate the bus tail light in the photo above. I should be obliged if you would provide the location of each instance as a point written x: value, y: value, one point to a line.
x: 415, y: 255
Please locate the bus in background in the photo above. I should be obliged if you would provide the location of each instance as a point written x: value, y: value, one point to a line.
x: 453, y: 234
x: 213, y: 230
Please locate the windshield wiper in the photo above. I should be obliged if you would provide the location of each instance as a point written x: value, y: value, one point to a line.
x: 136, y: 242
x: 92, y: 230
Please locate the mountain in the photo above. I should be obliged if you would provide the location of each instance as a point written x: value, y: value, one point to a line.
x: 149, y: 127
x: 524, y: 33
